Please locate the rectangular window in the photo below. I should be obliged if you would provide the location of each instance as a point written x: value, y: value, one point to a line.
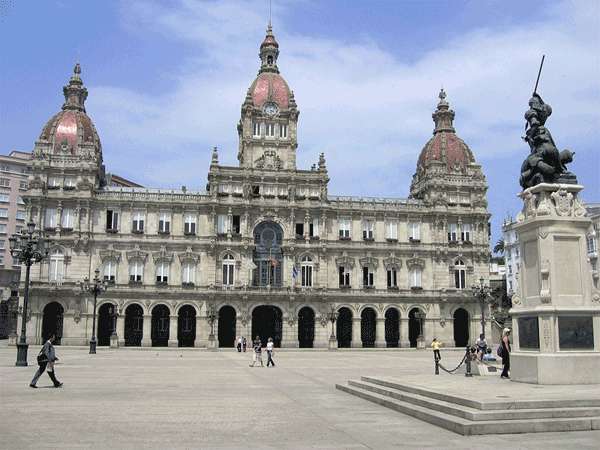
x: 50, y: 218
x: 53, y: 183
x: 344, y: 228
x: 235, y: 224
x: 110, y: 271
x: 4, y: 168
x: 2, y: 228
x: 591, y: 244
x: 392, y: 278
x: 465, y: 232
x: 112, y: 220
x: 391, y: 230
x: 228, y: 274
x: 415, y: 278
x: 299, y: 230
x: 368, y: 277
x: 3, y: 213
x: 22, y: 185
x: 344, y: 277
x: 5, y: 182
x: 136, y: 271
x: 20, y: 200
x: 270, y: 130
x: 452, y: 232
x: 283, y: 131
x: 4, y: 198
x: 67, y: 218
x: 69, y: 183
x: 188, y: 273
x: 21, y: 215
x: 137, y: 224
x: 313, y: 228
x: 256, y: 129
x: 2, y: 243
x: 1, y: 259
x: 459, y: 278
x: 189, y: 224
x: 162, y: 273
x: 414, y: 231
x: 368, y: 230
x: 221, y: 224
x: 306, y: 272
x: 164, y: 223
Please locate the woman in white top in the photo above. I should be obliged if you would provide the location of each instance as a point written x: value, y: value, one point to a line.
x: 270, y: 352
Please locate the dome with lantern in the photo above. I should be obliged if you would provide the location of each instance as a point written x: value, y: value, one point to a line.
x: 71, y: 131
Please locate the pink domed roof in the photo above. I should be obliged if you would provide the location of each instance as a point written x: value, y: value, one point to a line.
x: 70, y: 127
x: 271, y: 87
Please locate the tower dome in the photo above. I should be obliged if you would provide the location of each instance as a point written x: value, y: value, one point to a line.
x: 71, y: 131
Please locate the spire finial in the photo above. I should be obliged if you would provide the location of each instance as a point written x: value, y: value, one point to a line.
x: 270, y: 7
x: 443, y: 115
x: 215, y: 156
x: 75, y: 93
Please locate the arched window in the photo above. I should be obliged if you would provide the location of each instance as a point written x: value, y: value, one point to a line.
x: 109, y: 271
x: 56, y: 270
x: 162, y: 272
x: 228, y: 270
x: 306, y: 270
x: 459, y: 274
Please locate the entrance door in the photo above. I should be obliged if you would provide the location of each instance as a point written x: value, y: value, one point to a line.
x: 267, y: 323
x: 461, y: 327
x: 344, y: 328
x: 227, y: 320
x: 392, y: 329
x: 306, y: 327
x: 414, y: 326
x: 160, y: 326
x: 134, y: 325
x: 368, y: 324
x: 52, y: 322
x: 186, y: 326
x: 105, y: 323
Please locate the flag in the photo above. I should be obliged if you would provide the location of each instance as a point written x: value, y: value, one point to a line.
x: 294, y: 273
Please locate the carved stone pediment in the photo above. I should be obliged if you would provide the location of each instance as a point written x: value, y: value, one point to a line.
x: 368, y: 261
x: 269, y: 160
x: 189, y: 256
x: 345, y: 261
x: 137, y: 254
x: 110, y: 254
x: 415, y: 262
x: 392, y: 263
x: 163, y: 255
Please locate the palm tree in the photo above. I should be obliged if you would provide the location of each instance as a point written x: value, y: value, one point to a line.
x: 499, y: 247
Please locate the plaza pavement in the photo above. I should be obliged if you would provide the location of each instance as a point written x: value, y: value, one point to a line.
x: 189, y: 398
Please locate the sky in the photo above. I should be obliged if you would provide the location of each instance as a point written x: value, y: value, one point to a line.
x: 166, y: 81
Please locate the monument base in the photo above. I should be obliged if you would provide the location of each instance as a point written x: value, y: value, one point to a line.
x: 555, y: 368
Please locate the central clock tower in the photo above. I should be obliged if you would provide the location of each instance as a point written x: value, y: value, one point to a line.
x: 268, y: 127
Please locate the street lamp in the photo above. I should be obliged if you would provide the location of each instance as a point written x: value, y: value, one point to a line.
x: 482, y: 293
x: 332, y: 317
x: 96, y: 286
x: 28, y: 247
x: 211, y: 317
x: 420, y: 316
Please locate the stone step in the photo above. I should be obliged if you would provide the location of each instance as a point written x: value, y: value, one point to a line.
x: 487, y: 404
x: 474, y: 414
x: 469, y: 427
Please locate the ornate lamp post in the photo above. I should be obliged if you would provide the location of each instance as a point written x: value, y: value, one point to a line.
x: 332, y: 316
x: 29, y: 247
x: 211, y: 317
x: 96, y: 286
x: 482, y: 293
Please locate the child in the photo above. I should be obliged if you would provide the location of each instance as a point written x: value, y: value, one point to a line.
x: 435, y: 345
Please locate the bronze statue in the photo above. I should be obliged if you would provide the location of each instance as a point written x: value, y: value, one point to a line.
x: 545, y: 164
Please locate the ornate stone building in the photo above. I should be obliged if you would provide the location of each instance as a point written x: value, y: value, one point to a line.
x: 265, y: 247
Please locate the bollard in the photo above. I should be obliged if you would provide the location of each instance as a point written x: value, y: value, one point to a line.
x: 468, y: 362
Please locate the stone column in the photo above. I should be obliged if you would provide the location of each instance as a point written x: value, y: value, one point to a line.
x: 380, y: 333
x: 356, y: 339
x: 289, y: 338
x: 121, y: 329
x: 404, y: 341
x: 147, y: 331
x: 201, y: 332
x: 173, y: 322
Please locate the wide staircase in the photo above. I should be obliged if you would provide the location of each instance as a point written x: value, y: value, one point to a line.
x: 467, y: 416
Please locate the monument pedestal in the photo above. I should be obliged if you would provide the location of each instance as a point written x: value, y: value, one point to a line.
x: 556, y: 310
x: 114, y: 341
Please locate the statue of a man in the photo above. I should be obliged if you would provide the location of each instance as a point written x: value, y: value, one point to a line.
x: 545, y: 164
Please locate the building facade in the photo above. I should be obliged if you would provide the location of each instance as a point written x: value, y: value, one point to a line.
x: 265, y: 247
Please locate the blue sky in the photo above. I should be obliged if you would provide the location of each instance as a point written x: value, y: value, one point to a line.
x: 166, y: 80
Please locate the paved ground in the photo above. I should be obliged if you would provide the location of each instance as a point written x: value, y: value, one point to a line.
x: 134, y: 398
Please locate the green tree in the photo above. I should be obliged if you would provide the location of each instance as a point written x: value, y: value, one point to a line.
x: 499, y: 247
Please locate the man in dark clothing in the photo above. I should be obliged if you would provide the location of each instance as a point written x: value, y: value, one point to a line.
x: 47, y: 363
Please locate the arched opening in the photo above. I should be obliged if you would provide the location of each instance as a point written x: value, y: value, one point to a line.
x: 52, y: 322
x: 306, y: 327
x: 392, y: 327
x: 368, y: 323
x: 460, y: 274
x: 227, y: 319
x: 134, y: 325
x: 106, y: 323
x: 344, y: 328
x: 160, y: 326
x: 266, y: 323
x: 415, y: 325
x: 186, y: 326
x: 461, y: 327
x: 267, y: 256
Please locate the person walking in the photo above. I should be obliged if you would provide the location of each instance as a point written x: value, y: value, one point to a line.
x: 257, y: 356
x: 244, y: 343
x: 505, y: 345
x: 270, y: 352
x: 46, y: 359
x: 239, y: 344
x: 435, y: 345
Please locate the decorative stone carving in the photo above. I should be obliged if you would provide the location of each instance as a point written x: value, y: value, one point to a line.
x: 415, y: 262
x: 137, y: 254
x: 563, y: 202
x: 269, y: 160
x: 189, y: 256
x: 162, y: 255
x: 392, y: 263
x: 110, y: 254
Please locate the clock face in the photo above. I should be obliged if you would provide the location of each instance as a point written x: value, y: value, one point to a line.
x: 270, y: 109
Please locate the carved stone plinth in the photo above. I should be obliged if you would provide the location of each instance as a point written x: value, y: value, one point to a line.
x: 556, y: 309
x: 114, y: 341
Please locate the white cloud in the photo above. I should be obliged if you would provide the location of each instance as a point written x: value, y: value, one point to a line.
x: 368, y: 110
